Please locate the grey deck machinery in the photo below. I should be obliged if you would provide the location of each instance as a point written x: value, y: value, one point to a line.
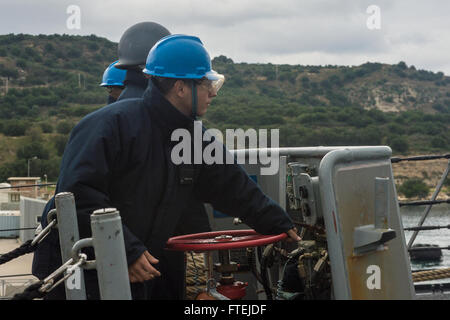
x: 343, y: 201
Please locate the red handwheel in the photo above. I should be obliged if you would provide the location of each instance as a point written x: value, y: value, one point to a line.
x: 221, y: 240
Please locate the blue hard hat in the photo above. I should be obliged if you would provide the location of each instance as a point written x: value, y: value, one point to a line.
x: 180, y: 56
x: 113, y: 76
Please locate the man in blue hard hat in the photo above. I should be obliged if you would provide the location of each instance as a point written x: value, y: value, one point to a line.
x: 182, y: 79
x: 120, y: 157
x: 133, y: 48
x: 112, y: 80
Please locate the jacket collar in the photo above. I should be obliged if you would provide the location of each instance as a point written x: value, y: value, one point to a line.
x: 163, y: 112
x: 135, y: 77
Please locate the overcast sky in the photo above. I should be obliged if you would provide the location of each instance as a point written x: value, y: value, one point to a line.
x: 307, y: 32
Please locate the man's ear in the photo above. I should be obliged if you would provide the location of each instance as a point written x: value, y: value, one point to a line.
x: 180, y: 88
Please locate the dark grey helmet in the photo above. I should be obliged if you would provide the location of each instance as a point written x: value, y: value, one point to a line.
x: 136, y: 42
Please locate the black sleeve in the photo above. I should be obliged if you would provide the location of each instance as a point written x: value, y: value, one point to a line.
x: 229, y: 189
x: 87, y: 171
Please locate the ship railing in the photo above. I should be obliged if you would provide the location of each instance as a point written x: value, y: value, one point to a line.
x: 433, y: 274
x: 108, y: 244
x: 433, y: 200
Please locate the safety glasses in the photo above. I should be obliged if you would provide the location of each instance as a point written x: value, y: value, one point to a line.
x: 212, y: 81
x: 111, y: 88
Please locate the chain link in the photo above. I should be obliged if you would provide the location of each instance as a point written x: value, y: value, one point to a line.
x: 68, y: 268
x: 51, y: 219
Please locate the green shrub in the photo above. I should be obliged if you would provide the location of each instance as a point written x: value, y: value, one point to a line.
x: 439, y: 142
x: 21, y: 63
x: 33, y: 149
x: 447, y: 182
x: 412, y: 188
x: 49, y: 47
x: 402, y: 65
x: 14, y: 128
x: 13, y: 169
x: 64, y: 127
x: 60, y: 142
x: 46, y: 127
x: 398, y: 144
x: 8, y: 72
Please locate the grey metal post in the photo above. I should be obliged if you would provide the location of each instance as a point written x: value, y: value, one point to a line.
x: 341, y: 286
x: 68, y: 234
x: 111, y: 262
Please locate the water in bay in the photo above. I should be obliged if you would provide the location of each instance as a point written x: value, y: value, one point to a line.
x: 439, y: 215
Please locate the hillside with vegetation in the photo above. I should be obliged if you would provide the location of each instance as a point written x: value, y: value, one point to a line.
x: 49, y: 82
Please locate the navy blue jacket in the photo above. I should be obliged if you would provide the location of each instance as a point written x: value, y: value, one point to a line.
x: 119, y: 156
x: 135, y: 84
